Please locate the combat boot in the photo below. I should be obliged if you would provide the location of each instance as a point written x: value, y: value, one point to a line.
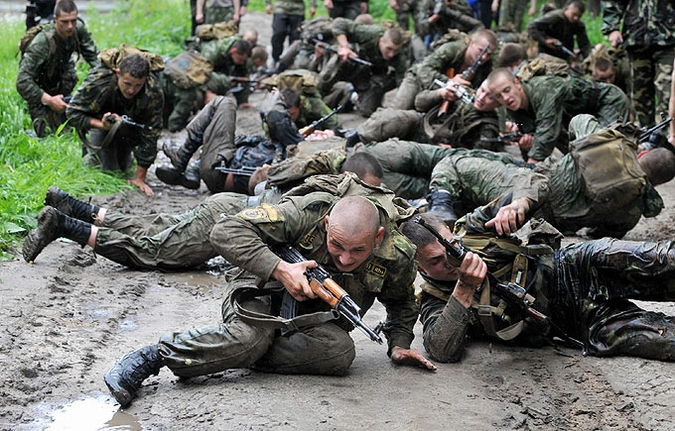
x: 442, y: 205
x: 180, y: 155
x: 126, y: 376
x: 71, y: 206
x: 189, y: 178
x: 53, y: 224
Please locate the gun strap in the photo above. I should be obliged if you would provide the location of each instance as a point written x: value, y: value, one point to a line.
x: 487, y: 312
x: 264, y: 320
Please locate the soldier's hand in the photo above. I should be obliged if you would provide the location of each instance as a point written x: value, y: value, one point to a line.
x: 525, y: 142
x: 143, y: 186
x: 328, y: 4
x: 510, y: 217
x: 550, y: 42
x: 472, y: 272
x: 294, y: 279
x: 58, y: 104
x: 402, y: 356
x: 615, y: 38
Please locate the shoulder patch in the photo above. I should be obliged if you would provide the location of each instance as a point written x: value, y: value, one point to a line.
x: 265, y: 212
x: 375, y: 269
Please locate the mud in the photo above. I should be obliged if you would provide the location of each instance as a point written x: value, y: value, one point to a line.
x: 65, y: 319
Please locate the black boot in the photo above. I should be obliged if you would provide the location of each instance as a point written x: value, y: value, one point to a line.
x: 53, y: 224
x: 442, y: 205
x: 180, y: 156
x: 71, y: 206
x: 189, y: 178
x: 129, y: 372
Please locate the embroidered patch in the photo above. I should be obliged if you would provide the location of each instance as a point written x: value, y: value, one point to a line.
x: 378, y: 270
x: 263, y: 212
x: 308, y: 240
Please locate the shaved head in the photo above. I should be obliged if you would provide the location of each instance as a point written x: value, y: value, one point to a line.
x: 355, y: 215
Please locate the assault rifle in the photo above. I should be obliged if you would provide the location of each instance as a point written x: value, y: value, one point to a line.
x: 128, y: 121
x: 326, y: 46
x: 558, y: 44
x: 512, y: 293
x: 645, y: 135
x: 463, y: 93
x: 508, y: 137
x: 308, y: 130
x: 246, y: 171
x: 468, y: 75
x: 328, y: 290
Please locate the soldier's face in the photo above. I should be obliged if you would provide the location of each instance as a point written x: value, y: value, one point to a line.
x: 484, y: 101
x: 349, y: 250
x: 508, y: 93
x: 608, y: 76
x: 129, y: 86
x: 572, y: 14
x: 388, y: 49
x: 294, y: 112
x: 65, y: 24
x: 433, y: 259
x: 237, y: 57
x: 474, y: 50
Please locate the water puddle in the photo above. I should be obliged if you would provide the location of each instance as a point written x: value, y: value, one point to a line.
x: 95, y: 413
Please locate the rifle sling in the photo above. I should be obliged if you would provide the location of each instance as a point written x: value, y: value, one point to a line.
x: 263, y: 320
x: 486, y: 312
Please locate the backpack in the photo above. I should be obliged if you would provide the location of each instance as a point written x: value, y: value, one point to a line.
x: 219, y: 30
x: 111, y: 57
x: 608, y: 169
x: 188, y: 70
x: 301, y: 80
x: 27, y: 38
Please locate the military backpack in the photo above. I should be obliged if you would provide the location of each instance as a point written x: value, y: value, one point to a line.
x: 188, y: 70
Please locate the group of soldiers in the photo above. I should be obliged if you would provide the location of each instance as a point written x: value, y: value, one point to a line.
x: 423, y: 187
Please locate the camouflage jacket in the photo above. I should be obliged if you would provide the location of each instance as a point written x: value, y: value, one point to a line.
x: 290, y: 7
x: 48, y: 57
x: 387, y: 275
x: 314, y: 108
x: 216, y: 51
x: 447, y: 61
x: 364, y: 40
x: 645, y: 22
x: 555, y: 25
x: 100, y: 93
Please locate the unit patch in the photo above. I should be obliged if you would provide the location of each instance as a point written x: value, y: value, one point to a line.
x: 265, y: 212
x: 377, y: 270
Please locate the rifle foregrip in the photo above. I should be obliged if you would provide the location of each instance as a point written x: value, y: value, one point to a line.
x: 323, y: 293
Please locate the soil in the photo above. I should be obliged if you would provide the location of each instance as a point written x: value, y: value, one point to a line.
x: 65, y: 319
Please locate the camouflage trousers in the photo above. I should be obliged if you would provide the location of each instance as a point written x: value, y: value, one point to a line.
x: 591, y: 293
x: 406, y: 92
x: 165, y: 241
x: 324, y: 349
x: 349, y: 9
x: 512, y: 12
x: 651, y: 73
x: 388, y: 123
x: 215, y: 14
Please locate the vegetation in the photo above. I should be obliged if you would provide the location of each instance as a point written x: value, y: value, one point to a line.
x: 31, y: 165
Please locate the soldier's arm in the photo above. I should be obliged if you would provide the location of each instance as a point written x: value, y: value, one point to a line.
x: 87, y: 46
x: 85, y: 109
x: 445, y: 325
x: 583, y: 42
x: 612, y: 14
x: 31, y: 62
x: 549, y: 113
x: 434, y: 65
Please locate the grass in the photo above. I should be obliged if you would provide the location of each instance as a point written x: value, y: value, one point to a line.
x: 30, y: 165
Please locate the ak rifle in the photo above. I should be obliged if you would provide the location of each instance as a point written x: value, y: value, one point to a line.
x: 461, y: 91
x: 327, y: 47
x: 308, y: 130
x: 128, y: 121
x: 559, y: 45
x: 246, y: 171
x: 328, y: 290
x: 507, y: 137
x: 468, y: 75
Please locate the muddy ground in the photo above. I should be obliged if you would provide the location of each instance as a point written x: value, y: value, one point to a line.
x: 65, y: 319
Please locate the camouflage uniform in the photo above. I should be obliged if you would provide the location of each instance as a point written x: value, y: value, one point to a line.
x: 444, y: 62
x: 371, y: 83
x: 287, y: 16
x: 317, y: 349
x: 649, y: 38
x: 313, y: 108
x: 165, y: 241
x: 47, y: 66
x: 99, y: 94
x: 554, y: 100
x: 218, y: 11
x: 584, y: 288
x: 512, y: 12
x: 348, y: 9
x: 216, y: 51
x: 555, y: 25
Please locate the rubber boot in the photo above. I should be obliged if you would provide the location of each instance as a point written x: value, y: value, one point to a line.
x: 53, y: 224
x: 126, y: 376
x: 442, y: 205
x: 71, y: 206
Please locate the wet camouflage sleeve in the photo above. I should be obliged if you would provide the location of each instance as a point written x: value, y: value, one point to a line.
x: 436, y: 65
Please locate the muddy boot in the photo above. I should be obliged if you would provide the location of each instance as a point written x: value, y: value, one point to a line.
x: 180, y: 156
x: 129, y: 372
x: 71, y: 206
x: 53, y: 224
x: 442, y: 205
x: 188, y: 178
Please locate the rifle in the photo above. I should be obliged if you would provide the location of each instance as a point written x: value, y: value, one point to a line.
x: 328, y: 290
x: 468, y: 75
x: 465, y: 94
x: 558, y: 44
x: 330, y: 49
x: 246, y: 171
x: 128, y: 121
x: 645, y: 135
x: 508, y: 137
x: 512, y: 293
x: 308, y: 130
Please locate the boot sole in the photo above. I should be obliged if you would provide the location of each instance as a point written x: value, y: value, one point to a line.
x: 121, y: 395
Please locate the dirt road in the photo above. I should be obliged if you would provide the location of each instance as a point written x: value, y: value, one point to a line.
x: 65, y: 319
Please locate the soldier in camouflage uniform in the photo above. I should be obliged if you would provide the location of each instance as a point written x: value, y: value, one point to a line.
x: 47, y: 71
x: 215, y: 11
x: 376, y: 44
x: 446, y: 64
x: 585, y: 289
x: 98, y: 107
x: 543, y: 106
x: 648, y: 35
x: 561, y: 26
x: 230, y: 56
x: 287, y: 18
x: 511, y: 12
x: 348, y: 9
x: 353, y: 238
x: 451, y: 14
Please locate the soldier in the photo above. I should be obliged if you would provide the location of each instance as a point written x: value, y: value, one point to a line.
x: 46, y: 70
x: 286, y: 22
x: 609, y: 65
x: 648, y: 35
x: 511, y: 12
x: 357, y: 243
x: 218, y: 11
x: 377, y: 45
x: 348, y: 9
x: 580, y: 293
x: 447, y: 63
x: 121, y: 108
x: 543, y: 106
x: 558, y: 29
x: 452, y: 14
x: 230, y: 56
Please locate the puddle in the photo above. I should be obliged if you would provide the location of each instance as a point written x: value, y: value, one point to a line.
x: 92, y: 414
